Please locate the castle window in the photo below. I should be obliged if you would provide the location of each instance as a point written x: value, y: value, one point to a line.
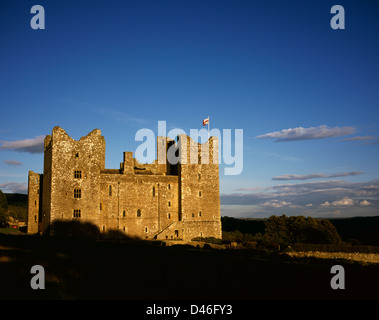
x: 77, y: 213
x: 101, y: 206
x: 169, y: 187
x: 145, y: 229
x: 77, y: 193
x: 124, y: 228
x: 76, y: 154
x: 153, y: 191
x: 77, y: 174
x: 199, y: 213
x: 199, y: 177
x: 35, y: 218
x: 35, y: 202
x: 110, y: 190
x: 124, y: 214
x: 138, y: 213
x: 199, y: 193
x: 193, y: 215
x: 169, y: 203
x: 169, y: 215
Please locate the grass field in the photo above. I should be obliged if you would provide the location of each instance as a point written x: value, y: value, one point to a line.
x: 14, y: 231
x: 140, y: 270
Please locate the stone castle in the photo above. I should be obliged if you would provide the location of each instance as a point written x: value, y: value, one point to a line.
x: 150, y: 201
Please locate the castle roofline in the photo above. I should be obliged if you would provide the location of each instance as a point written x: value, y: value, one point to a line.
x: 60, y: 130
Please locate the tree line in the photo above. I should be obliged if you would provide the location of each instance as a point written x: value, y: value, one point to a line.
x: 287, y: 231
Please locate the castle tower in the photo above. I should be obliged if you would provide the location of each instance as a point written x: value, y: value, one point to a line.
x: 199, y: 193
x: 34, y: 202
x: 71, y: 177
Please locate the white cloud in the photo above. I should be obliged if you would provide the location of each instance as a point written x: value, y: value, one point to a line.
x: 359, y: 138
x: 343, y: 202
x: 14, y: 187
x: 365, y: 203
x: 300, y: 133
x: 276, y: 204
x: 338, y: 203
x: 34, y: 145
x: 14, y: 163
x: 315, y: 175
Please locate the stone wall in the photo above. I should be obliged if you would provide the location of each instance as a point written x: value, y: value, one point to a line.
x: 157, y: 200
x: 34, y: 191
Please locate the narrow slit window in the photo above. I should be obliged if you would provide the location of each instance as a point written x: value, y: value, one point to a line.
x: 110, y: 190
x: 124, y: 213
x: 138, y: 212
x: 153, y: 191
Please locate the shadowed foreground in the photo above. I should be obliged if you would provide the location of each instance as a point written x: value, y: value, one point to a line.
x: 131, y: 269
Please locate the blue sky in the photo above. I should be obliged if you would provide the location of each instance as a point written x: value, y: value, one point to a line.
x: 305, y: 95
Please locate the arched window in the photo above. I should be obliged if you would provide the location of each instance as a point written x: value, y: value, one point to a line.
x: 138, y: 212
x: 110, y: 190
x: 124, y: 213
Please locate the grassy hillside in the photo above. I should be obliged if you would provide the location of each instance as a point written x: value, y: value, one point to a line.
x: 144, y: 270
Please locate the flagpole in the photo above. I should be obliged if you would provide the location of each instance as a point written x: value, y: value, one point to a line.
x: 208, y: 127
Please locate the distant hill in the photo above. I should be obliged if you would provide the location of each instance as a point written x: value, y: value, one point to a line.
x: 17, y: 205
x: 252, y: 226
x: 17, y: 199
x: 357, y: 230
